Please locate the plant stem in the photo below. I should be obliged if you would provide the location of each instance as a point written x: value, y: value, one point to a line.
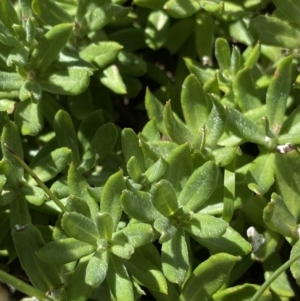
x: 36, y: 178
x: 23, y: 286
x: 268, y: 282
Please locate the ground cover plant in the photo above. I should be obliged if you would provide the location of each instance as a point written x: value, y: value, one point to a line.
x: 150, y: 149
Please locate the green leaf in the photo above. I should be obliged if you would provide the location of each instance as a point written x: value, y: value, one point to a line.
x: 253, y: 57
x: 28, y: 117
x: 18, y: 56
x: 223, y: 55
x: 10, y: 82
x: 205, y: 226
x: 77, y: 204
x: 105, y: 139
x: 278, y: 93
x: 9, y: 166
x: 96, y: 269
x: 295, y: 267
x: 139, y: 206
x: 71, y: 81
x: 212, y: 274
x: 63, y: 251
x: 156, y: 29
x: 261, y: 171
x: 287, y: 179
x: 130, y: 64
x: 244, y: 91
x: 92, y: 16
x: 231, y: 242
x: 175, y: 257
x: 19, y: 212
x: 278, y: 217
x: 155, y: 111
x: 44, y: 276
x: 78, y: 188
x: 112, y: 79
x: 146, y: 272
x: 134, y: 169
x: 8, y: 15
x: 243, y: 127
x: 34, y: 195
x: 281, y: 285
x: 286, y: 36
x: 229, y: 191
x: 165, y: 227
x: 290, y: 9
x: 50, y: 46
x: 155, y: 172
x: 52, y: 164
x: 199, y: 186
x: 111, y: 196
x: 105, y: 225
x: 50, y: 13
x: 243, y: 292
x: 122, y: 250
x: 180, y: 167
x: 118, y: 280
x: 131, y: 147
x: 182, y: 8
x: 195, y: 104
x: 150, y: 4
x: 204, y: 37
x: 176, y: 129
x: 77, y: 288
x: 178, y: 34
x: 32, y: 90
x: 139, y: 234
x: 102, y: 53
x: 65, y: 134
x: 80, y: 227
x: 164, y: 197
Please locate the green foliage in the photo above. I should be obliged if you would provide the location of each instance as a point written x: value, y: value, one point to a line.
x: 176, y: 209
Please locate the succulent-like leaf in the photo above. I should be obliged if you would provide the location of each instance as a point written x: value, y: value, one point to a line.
x: 199, y: 186
x: 175, y: 257
x: 111, y: 196
x: 80, y: 227
x: 211, y: 273
x: 63, y: 251
x: 278, y: 93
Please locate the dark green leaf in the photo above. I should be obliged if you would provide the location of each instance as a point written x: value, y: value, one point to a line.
x: 182, y: 8
x: 145, y: 272
x: 50, y: 13
x: 290, y: 9
x: 8, y: 15
x: 65, y: 134
x: 44, y: 276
